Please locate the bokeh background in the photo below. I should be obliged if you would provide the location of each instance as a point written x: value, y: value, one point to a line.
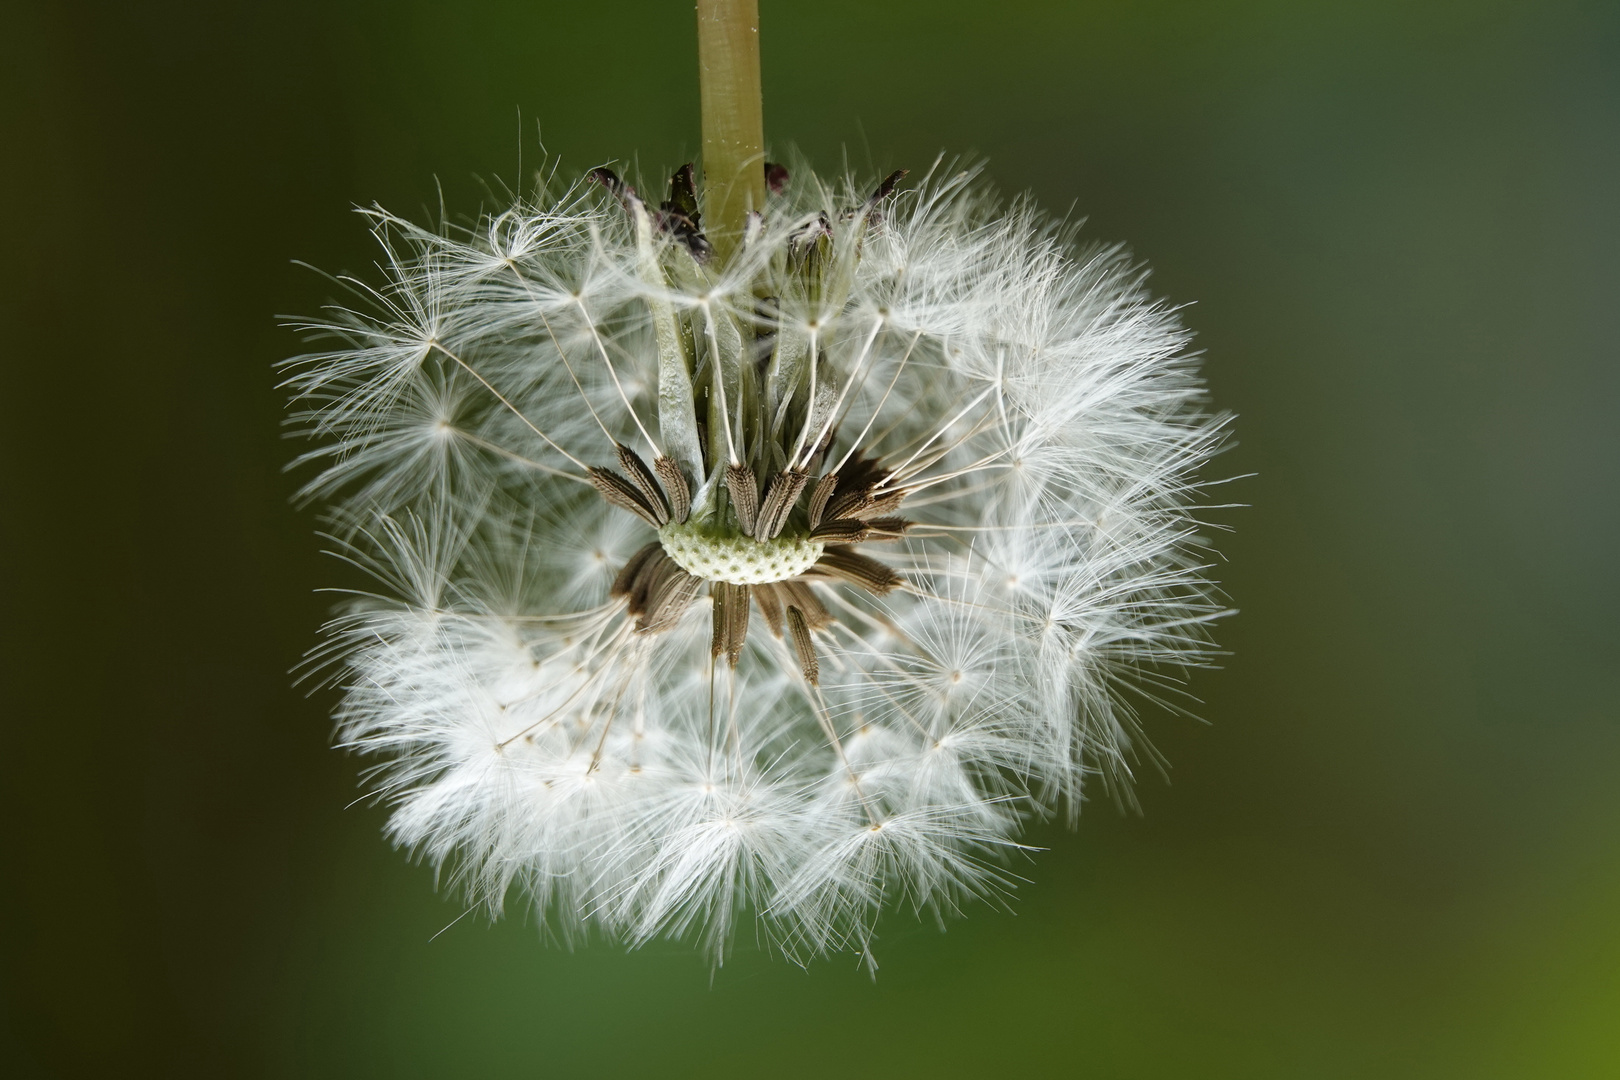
x: 1392, y: 851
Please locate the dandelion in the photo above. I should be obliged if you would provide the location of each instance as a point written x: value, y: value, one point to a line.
x: 772, y: 552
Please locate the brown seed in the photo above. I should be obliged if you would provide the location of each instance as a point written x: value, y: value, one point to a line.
x: 887, y: 528
x: 736, y: 622
x: 840, y: 531
x: 862, y: 473
x: 886, y: 502
x: 645, y: 482
x: 780, y: 496
x: 847, y: 504
x: 770, y: 605
x: 744, y: 495
x: 858, y: 569
x: 718, y: 595
x: 798, y: 594
x: 804, y: 645
x: 669, y: 601
x: 680, y: 496
x: 652, y: 578
x: 649, y: 576
x: 624, y: 583
x: 621, y: 493
x: 818, y: 498
x: 730, y: 629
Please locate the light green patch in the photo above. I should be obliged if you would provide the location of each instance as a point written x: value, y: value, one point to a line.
x: 738, y: 560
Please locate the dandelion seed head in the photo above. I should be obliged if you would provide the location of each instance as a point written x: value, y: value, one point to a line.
x: 784, y: 589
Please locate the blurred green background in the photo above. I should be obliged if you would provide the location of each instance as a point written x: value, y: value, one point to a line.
x: 1394, y: 851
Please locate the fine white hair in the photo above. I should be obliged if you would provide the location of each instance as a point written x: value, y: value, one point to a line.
x: 1035, y: 405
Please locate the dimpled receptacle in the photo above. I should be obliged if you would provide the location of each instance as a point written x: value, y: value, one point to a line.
x: 738, y: 560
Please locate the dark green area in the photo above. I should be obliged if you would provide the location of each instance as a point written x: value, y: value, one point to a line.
x: 1394, y: 851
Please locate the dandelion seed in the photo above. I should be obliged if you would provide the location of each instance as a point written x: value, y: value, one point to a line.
x: 782, y: 571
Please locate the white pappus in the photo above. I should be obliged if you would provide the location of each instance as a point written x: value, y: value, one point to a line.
x: 785, y: 590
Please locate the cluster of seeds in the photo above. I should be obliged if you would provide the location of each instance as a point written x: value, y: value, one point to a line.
x: 945, y: 455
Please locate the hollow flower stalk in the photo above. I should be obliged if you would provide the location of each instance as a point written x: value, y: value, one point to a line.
x: 785, y: 587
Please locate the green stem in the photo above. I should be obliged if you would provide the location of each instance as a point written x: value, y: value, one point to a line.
x: 733, y: 119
